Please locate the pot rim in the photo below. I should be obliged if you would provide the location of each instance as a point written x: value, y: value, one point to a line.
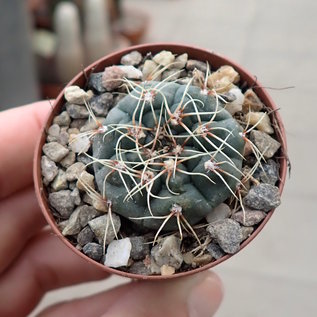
x: 113, y: 58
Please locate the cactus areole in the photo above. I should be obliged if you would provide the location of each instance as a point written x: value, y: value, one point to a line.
x: 167, y: 149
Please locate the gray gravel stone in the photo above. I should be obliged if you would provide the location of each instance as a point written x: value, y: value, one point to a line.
x: 220, y: 212
x: 99, y: 224
x: 215, y: 251
x: 54, y: 130
x: 101, y: 104
x: 93, y: 250
x: 192, y: 64
x: 167, y: 252
x: 180, y: 61
x: 77, y: 111
x: 55, y: 151
x: 246, y: 232
x: 250, y: 217
x: 139, y: 248
x: 60, y: 181
x: 68, y: 160
x: 95, y: 82
x: 263, y: 197
x: 63, y: 119
x: 269, y: 173
x: 85, y: 236
x: 133, y: 58
x: 265, y: 143
x: 75, y: 195
x: 48, y: 168
x: 139, y: 267
x: 62, y: 202
x: 79, y: 219
x: 111, y: 77
x: 227, y: 233
x: 74, y: 171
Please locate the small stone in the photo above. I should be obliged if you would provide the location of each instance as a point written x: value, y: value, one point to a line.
x: 246, y: 232
x: 89, y: 126
x: 63, y: 119
x: 201, y: 260
x: 167, y: 252
x: 222, y: 211
x: 74, y: 94
x: 98, y: 226
x: 131, y: 72
x: 249, y: 217
x: 85, y: 180
x: 63, y: 137
x: 93, y: 250
x: 172, y: 74
x: 251, y: 102
x: 112, y: 77
x: 54, y: 130
x: 101, y: 104
x: 61, y: 225
x: 85, y: 236
x: 224, y: 72
x: 235, y: 105
x: 77, y: 111
x: 118, y: 253
x: 95, y: 83
x: 55, y: 151
x: 164, y: 58
x: 133, y: 58
x: 76, y: 196
x: 139, y: 248
x: 261, y: 120
x: 84, y: 159
x: 75, y: 125
x: 149, y: 70
x: 167, y: 270
x: 72, y: 185
x: 68, y: 160
x: 60, y: 181
x: 265, y: 143
x: 188, y: 258
x: 79, y: 219
x: 227, y: 233
x: 79, y: 143
x: 215, y: 251
x: 222, y: 85
x: 73, y: 172
x: 180, y: 61
x: 62, y: 202
x: 48, y: 168
x: 139, y: 268
x: 192, y: 64
x: 268, y: 173
x: 263, y: 197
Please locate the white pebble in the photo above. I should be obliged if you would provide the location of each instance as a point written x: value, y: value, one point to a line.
x: 235, y: 105
x: 76, y: 95
x: 131, y: 72
x: 118, y: 253
x: 164, y: 58
x: 79, y: 143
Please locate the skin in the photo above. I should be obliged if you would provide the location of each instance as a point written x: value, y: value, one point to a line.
x: 34, y: 261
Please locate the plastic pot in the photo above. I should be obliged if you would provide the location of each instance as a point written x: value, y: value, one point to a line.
x: 193, y: 53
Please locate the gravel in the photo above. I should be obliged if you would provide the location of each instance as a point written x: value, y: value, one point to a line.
x: 55, y: 151
x: 62, y: 202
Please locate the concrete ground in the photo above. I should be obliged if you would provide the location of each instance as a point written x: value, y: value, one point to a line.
x: 276, y: 40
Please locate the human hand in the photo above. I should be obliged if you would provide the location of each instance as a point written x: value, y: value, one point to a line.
x: 34, y: 261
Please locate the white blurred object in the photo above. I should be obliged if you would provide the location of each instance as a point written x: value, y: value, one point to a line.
x: 69, y: 54
x: 44, y: 43
x: 97, y: 32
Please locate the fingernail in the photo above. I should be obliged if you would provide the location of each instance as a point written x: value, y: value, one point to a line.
x: 205, y: 297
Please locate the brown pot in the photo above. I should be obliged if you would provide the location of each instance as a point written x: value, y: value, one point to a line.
x: 194, y: 53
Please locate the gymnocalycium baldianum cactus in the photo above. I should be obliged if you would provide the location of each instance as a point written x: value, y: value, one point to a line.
x: 167, y: 154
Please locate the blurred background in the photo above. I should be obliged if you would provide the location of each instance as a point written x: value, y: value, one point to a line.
x: 275, y: 40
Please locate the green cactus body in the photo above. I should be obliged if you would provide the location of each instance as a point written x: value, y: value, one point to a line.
x: 167, y: 145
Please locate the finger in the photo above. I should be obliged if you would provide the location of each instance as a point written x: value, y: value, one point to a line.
x: 195, y: 296
x: 20, y: 219
x: 45, y: 264
x: 19, y: 129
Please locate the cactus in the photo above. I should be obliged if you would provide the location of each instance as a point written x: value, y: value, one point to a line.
x: 167, y: 154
